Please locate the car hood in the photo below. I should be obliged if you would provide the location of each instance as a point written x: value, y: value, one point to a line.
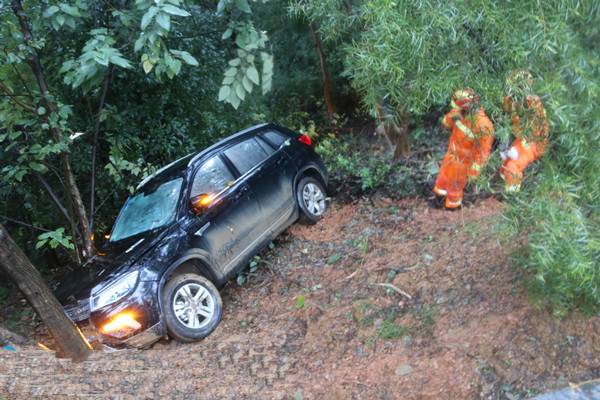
x: 112, y: 260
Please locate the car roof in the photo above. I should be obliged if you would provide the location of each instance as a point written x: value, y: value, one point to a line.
x: 187, y: 161
x: 228, y: 139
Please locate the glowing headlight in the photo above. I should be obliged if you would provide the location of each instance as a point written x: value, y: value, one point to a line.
x: 113, y: 292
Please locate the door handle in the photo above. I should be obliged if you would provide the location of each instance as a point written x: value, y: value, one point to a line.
x: 241, y: 192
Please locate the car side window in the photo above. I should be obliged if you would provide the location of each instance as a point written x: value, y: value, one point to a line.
x: 246, y: 155
x: 212, y: 177
x: 265, y: 146
x: 275, y: 138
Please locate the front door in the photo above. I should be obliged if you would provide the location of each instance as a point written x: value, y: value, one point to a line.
x: 230, y: 214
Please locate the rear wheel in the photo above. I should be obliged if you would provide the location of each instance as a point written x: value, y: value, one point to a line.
x: 192, y: 307
x: 311, y: 195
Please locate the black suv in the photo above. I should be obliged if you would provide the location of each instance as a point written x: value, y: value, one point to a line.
x: 188, y: 229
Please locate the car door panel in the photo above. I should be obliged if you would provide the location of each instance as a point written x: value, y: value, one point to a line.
x: 275, y: 191
x: 227, y: 226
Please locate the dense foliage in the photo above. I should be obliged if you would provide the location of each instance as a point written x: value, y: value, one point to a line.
x: 419, y: 52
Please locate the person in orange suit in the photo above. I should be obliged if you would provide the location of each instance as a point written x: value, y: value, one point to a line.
x: 471, y: 138
x: 529, y: 125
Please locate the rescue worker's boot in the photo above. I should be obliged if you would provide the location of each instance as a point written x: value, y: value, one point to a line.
x: 453, y: 201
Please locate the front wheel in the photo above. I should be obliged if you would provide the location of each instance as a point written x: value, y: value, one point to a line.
x: 192, y: 307
x: 310, y: 195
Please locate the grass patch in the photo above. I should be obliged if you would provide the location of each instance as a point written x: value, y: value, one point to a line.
x: 391, y: 330
x: 426, y: 316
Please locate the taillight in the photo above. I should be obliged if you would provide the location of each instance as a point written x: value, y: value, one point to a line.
x: 305, y: 139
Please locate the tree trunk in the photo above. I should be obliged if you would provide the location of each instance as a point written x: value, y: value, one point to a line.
x: 396, y: 137
x: 402, y: 139
x: 87, y: 247
x: 95, y: 145
x: 13, y: 262
x: 383, y: 125
x: 324, y: 73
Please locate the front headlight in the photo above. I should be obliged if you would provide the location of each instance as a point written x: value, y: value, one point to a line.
x: 113, y: 292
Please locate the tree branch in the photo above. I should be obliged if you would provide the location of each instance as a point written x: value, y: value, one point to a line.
x: 16, y: 221
x: 95, y: 144
x: 54, y: 197
x: 14, y: 98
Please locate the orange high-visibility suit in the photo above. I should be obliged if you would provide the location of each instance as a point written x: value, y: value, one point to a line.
x: 468, y: 150
x: 530, y: 127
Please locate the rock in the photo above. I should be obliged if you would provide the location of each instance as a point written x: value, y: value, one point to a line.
x: 360, y: 351
x: 403, y: 370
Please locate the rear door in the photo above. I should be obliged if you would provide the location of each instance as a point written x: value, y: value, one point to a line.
x: 269, y: 173
x: 278, y: 202
x: 231, y: 217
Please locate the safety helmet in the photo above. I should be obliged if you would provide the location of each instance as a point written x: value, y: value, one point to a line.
x: 464, y: 99
x: 519, y: 83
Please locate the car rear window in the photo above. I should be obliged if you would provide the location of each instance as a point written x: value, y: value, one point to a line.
x: 275, y: 138
x: 246, y: 155
x: 212, y: 177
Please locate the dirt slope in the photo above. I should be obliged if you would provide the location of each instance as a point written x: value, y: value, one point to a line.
x: 314, y: 323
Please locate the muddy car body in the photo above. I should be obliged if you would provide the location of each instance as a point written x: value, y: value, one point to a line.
x: 203, y: 218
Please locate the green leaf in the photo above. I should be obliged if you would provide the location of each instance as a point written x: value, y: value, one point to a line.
x: 227, y: 34
x: 239, y: 90
x: 300, y: 300
x: 70, y: 10
x: 120, y: 61
x: 147, y: 18
x: 37, y: 167
x: 188, y: 58
x: 164, y: 21
x: 224, y: 93
x: 60, y: 19
x: 231, y: 71
x: 41, y: 111
x: 174, y: 65
x: 221, y: 6
x: 252, y: 74
x: 334, y: 258
x: 139, y: 43
x: 175, y: 11
x: 234, y: 100
x: 50, y: 11
x: 247, y: 84
x: 240, y: 279
x: 235, y: 62
x: 243, y: 6
x: 147, y: 65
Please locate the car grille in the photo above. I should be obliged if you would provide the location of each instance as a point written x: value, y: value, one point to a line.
x: 78, y: 312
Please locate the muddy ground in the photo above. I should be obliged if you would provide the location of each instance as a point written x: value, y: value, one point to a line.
x: 383, y: 299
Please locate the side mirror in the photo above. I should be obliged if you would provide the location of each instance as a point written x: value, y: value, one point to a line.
x: 201, y: 202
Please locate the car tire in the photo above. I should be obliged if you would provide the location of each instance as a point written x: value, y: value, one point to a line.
x: 192, y: 307
x: 311, y: 197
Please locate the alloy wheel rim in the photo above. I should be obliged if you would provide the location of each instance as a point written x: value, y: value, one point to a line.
x: 314, y: 199
x: 193, y: 305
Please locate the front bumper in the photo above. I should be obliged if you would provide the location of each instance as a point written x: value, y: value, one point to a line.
x: 141, y: 308
x: 147, y: 337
